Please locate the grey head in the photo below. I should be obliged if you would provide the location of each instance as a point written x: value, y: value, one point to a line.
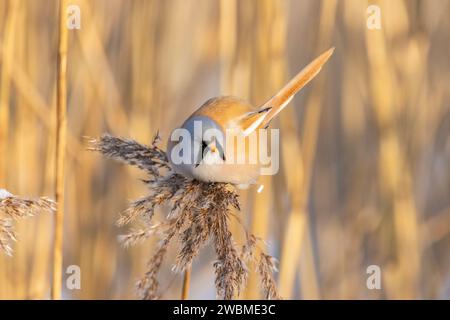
x: 199, y: 138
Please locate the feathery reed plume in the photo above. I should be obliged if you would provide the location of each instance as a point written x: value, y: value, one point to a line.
x: 14, y: 208
x: 199, y: 212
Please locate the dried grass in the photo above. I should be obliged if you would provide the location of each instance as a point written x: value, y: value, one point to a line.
x: 199, y: 212
x: 13, y: 208
x: 60, y: 154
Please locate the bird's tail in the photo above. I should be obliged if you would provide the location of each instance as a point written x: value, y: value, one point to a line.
x: 280, y: 100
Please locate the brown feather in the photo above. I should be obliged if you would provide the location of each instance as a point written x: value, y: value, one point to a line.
x: 282, y: 98
x: 225, y: 110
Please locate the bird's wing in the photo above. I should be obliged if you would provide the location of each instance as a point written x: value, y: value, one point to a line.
x: 252, y: 121
x: 278, y: 102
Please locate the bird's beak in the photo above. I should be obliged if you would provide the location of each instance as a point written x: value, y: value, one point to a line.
x: 213, y: 147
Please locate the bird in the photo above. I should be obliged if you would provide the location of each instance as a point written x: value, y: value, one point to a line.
x: 205, y: 146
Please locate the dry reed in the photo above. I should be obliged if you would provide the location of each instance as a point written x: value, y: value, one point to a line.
x: 139, y: 65
x: 13, y: 208
x: 60, y: 155
x: 199, y: 212
x: 186, y: 284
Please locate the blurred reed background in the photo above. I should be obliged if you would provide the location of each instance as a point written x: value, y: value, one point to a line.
x: 365, y: 167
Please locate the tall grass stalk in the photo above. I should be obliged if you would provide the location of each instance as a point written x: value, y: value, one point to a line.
x: 60, y: 152
x: 186, y: 284
x: 7, y: 55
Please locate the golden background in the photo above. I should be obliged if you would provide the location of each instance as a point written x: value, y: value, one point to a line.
x: 365, y: 148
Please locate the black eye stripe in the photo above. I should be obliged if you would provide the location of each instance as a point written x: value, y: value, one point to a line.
x: 204, y: 146
x: 221, y: 151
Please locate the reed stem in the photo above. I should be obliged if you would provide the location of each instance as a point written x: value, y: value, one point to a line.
x: 60, y: 153
x: 186, y: 284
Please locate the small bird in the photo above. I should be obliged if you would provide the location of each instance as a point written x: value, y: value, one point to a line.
x: 205, y: 148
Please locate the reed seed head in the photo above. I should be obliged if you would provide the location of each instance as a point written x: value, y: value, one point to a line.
x: 199, y: 213
x: 14, y: 208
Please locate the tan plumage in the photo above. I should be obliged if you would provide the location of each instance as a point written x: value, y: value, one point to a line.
x: 285, y: 95
x: 239, y: 116
x: 225, y: 110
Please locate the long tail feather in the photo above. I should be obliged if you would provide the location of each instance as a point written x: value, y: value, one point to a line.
x: 279, y: 101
